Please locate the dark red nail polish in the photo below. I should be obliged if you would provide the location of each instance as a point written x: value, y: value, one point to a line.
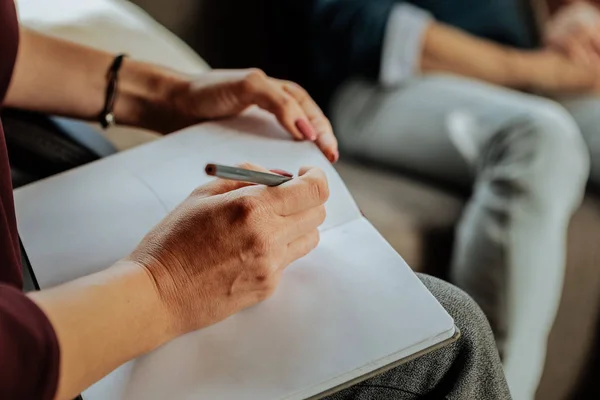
x: 282, y: 173
x: 333, y: 156
x: 306, y: 129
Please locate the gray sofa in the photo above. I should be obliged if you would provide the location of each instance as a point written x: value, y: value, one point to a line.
x: 416, y: 217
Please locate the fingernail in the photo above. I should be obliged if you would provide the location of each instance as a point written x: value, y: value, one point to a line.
x: 306, y: 129
x: 282, y: 173
x: 333, y: 156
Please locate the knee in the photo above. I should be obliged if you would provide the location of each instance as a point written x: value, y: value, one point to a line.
x: 560, y: 144
x: 474, y: 353
x: 547, y: 153
x: 476, y: 333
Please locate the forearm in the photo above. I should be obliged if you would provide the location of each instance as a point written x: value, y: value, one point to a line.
x: 102, y: 321
x: 446, y: 49
x: 58, y: 77
x: 555, y: 5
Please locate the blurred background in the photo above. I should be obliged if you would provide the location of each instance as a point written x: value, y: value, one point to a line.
x: 416, y: 214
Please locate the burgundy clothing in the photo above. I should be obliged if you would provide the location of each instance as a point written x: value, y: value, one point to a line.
x: 29, y: 353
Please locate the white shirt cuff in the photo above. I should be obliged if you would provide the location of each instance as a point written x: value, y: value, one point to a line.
x: 402, y: 44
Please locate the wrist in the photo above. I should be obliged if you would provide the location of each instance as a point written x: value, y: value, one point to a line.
x: 550, y: 72
x: 138, y: 287
x: 523, y: 69
x: 146, y: 97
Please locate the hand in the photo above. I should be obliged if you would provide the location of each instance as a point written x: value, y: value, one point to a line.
x: 225, y: 93
x: 225, y: 247
x: 575, y: 32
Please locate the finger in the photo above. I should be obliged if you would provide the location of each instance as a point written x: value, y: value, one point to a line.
x: 588, y: 39
x: 298, y: 225
x: 329, y: 145
x: 282, y: 173
x: 307, y: 191
x: 301, y: 247
x: 326, y: 140
x: 577, y: 52
x: 594, y: 56
x: 585, y: 42
x: 221, y: 186
x: 259, y: 89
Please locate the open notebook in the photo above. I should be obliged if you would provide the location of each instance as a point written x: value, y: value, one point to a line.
x: 346, y: 311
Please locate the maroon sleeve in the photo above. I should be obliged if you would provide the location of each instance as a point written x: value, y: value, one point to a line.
x: 29, y: 353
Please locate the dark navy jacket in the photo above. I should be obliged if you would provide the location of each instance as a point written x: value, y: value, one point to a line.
x: 345, y: 37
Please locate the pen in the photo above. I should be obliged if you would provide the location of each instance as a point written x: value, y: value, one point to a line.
x: 245, y: 175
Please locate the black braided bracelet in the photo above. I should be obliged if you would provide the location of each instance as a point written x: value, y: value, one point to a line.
x: 107, y: 116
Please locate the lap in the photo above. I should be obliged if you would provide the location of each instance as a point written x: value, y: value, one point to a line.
x: 455, y: 371
x: 434, y: 125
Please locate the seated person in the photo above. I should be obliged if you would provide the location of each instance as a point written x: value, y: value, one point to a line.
x: 57, y: 342
x: 438, y: 88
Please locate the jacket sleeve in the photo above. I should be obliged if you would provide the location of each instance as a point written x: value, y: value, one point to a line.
x: 29, y: 351
x: 403, y: 44
x: 350, y: 34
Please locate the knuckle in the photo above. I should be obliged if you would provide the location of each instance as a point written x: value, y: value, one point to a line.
x: 311, y: 242
x: 319, y: 189
x: 287, y: 108
x: 301, y: 91
x: 315, y: 239
x: 253, y: 79
x: 249, y: 203
x: 286, y: 103
x: 297, y: 89
x: 245, y: 208
x: 264, y: 275
x: 256, y: 73
x: 261, y: 277
x: 265, y: 283
x: 201, y: 191
x: 263, y: 245
x: 322, y: 214
x: 207, y: 190
x: 266, y: 293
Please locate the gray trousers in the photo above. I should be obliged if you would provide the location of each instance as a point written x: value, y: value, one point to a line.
x: 467, y: 369
x: 527, y: 164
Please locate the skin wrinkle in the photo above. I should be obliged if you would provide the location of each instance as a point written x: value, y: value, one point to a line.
x: 252, y: 266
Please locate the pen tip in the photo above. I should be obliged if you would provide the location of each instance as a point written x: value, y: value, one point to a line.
x: 210, y: 169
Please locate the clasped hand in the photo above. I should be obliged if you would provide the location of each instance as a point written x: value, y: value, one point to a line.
x: 575, y: 32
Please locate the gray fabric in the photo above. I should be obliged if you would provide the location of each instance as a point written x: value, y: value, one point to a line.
x: 586, y: 112
x: 467, y: 369
x: 527, y: 165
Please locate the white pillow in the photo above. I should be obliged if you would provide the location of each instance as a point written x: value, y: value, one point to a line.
x: 112, y: 25
x: 117, y: 26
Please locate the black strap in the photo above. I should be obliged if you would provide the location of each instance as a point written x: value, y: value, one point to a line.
x: 107, y: 117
